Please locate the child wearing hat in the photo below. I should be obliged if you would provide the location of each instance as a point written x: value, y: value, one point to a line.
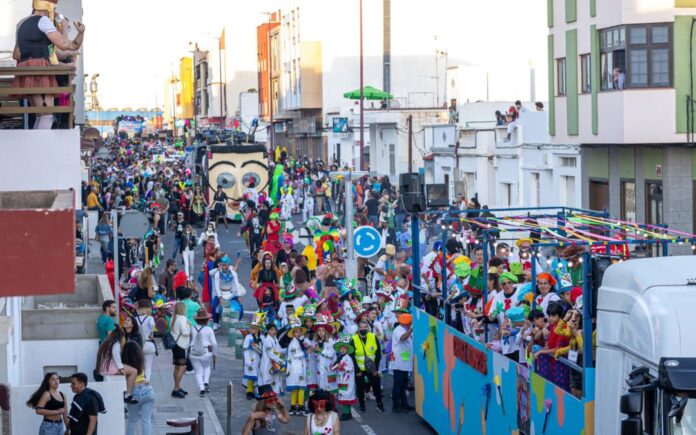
x: 253, y: 345
x: 345, y: 368
x: 309, y: 342
x: 545, y: 289
x: 272, y: 361
x: 323, y: 332
x: 297, y: 367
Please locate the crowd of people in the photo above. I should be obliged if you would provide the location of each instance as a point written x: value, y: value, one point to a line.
x: 326, y: 341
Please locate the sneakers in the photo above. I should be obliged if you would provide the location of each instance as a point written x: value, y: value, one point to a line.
x: 178, y: 394
x: 380, y: 407
x: 251, y: 396
x: 183, y: 391
x: 207, y: 388
x: 216, y: 326
x: 202, y: 393
x: 370, y: 396
x: 362, y: 410
x: 301, y: 411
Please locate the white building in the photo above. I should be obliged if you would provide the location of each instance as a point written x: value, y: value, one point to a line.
x: 475, y: 159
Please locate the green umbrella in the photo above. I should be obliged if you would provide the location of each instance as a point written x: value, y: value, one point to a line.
x: 369, y: 93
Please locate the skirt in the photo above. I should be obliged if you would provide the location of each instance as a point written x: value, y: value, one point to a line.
x: 38, y: 81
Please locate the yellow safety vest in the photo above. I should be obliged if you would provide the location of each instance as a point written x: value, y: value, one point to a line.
x: 369, y: 348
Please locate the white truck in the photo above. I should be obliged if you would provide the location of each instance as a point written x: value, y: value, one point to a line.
x: 646, y: 348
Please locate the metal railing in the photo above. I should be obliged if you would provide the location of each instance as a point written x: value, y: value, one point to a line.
x: 14, y: 101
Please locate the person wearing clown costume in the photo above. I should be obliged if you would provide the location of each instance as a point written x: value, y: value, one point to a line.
x: 326, y: 239
x: 253, y: 349
x: 297, y: 367
x: 287, y: 203
x: 272, y: 365
x: 345, y: 368
x: 307, y: 314
x: 323, y: 348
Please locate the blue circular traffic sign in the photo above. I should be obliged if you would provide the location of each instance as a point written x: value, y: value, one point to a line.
x: 366, y: 241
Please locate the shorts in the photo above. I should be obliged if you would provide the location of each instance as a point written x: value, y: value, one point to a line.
x: 178, y: 356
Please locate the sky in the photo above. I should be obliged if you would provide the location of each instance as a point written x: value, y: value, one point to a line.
x: 135, y: 45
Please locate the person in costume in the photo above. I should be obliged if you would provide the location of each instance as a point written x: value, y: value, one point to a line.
x: 297, y: 367
x: 268, y: 414
x: 345, y: 368
x: 307, y: 314
x: 273, y: 230
x: 326, y: 239
x: 35, y: 46
x: 272, y: 365
x: 277, y: 181
x: 287, y: 203
x: 323, y: 348
x: 226, y: 287
x: 401, y: 362
x: 545, y: 288
x: 293, y: 295
x: 253, y: 349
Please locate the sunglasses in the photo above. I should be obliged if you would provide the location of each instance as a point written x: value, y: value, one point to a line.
x: 506, y: 282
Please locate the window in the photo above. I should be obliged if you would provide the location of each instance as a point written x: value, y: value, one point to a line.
x: 585, y: 74
x: 561, y: 65
x: 469, y: 184
x: 628, y: 201
x: 507, y: 194
x: 569, y: 162
x: 568, y: 190
x: 640, y: 61
x: 653, y: 205
x: 392, y: 159
x: 536, y: 189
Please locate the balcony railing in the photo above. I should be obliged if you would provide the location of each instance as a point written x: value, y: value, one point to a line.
x: 14, y: 101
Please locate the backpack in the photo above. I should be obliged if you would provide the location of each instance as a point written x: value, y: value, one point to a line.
x: 197, y: 348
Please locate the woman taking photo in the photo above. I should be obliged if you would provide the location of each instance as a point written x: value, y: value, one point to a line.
x: 267, y: 415
x: 181, y: 331
x: 109, y: 362
x: 146, y: 324
x: 51, y: 404
x: 143, y: 394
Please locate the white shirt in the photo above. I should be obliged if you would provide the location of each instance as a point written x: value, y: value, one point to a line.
x: 181, y: 331
x: 146, y: 324
x: 207, y: 337
x: 402, y: 350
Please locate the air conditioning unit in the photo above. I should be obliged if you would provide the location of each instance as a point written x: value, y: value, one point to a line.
x: 495, y: 162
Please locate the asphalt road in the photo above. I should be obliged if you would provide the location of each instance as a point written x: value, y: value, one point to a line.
x: 228, y: 369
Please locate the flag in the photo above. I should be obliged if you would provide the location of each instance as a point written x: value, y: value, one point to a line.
x: 222, y: 40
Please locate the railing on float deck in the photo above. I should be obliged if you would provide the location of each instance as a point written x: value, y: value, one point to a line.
x: 14, y: 101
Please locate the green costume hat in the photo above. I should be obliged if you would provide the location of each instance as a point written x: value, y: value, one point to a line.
x: 509, y: 276
x: 295, y: 324
x: 462, y: 269
x: 290, y: 292
x: 345, y: 340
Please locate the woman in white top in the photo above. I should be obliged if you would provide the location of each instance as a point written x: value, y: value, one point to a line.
x: 181, y: 331
x: 146, y: 324
x: 322, y: 420
x: 203, y: 350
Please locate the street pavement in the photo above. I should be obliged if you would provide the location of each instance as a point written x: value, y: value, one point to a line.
x: 229, y: 369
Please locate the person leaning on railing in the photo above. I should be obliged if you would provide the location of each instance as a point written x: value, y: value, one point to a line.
x: 37, y: 40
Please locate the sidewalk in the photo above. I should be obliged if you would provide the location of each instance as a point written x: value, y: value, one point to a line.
x: 167, y: 407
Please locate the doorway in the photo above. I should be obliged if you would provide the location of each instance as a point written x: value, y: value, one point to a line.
x: 653, y: 203
x: 599, y: 195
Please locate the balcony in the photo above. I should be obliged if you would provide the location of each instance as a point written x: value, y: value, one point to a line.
x: 15, y: 110
x: 37, y: 223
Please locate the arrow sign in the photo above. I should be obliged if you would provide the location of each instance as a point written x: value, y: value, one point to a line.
x: 366, y: 241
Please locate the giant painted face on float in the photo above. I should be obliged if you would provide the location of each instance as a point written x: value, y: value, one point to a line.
x: 236, y: 168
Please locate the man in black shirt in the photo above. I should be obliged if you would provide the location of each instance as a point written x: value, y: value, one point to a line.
x: 372, y: 206
x: 179, y: 227
x: 82, y: 419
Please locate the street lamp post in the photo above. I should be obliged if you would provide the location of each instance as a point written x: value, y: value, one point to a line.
x: 174, y: 81
x: 362, y: 96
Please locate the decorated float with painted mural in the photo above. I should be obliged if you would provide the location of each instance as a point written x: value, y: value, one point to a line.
x: 640, y: 378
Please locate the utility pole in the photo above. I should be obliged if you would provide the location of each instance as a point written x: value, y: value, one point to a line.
x: 348, y: 177
x: 362, y: 95
x: 410, y: 143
